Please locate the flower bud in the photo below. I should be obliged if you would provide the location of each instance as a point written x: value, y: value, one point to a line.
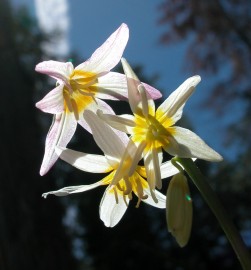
x: 179, y: 210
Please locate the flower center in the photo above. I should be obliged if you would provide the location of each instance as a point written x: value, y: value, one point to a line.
x: 80, y: 92
x: 152, y: 131
x: 128, y: 184
x: 135, y: 183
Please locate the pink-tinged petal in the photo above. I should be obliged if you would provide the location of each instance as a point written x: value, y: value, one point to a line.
x: 152, y: 92
x: 160, y: 197
x: 71, y: 190
x: 172, y: 107
x: 57, y: 70
x: 60, y: 133
x: 109, y: 54
x: 85, y: 162
x: 191, y: 145
x: 111, y: 211
x: 53, y: 102
x: 112, y: 86
x: 133, y: 83
x: 140, y: 98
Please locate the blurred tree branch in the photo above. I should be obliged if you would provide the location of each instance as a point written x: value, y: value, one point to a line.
x: 219, y: 36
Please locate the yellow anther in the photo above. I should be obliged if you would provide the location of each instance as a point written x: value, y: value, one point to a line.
x: 75, y: 108
x: 116, y: 195
x: 67, y: 100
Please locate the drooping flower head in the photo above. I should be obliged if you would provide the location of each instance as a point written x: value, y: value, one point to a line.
x: 153, y: 130
x: 117, y: 155
x: 81, y: 88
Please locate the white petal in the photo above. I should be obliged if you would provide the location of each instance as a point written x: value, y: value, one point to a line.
x: 167, y: 169
x: 85, y: 162
x: 111, y: 212
x: 160, y: 197
x: 57, y: 70
x: 73, y: 189
x: 106, y: 138
x: 172, y: 107
x: 190, y: 145
x: 124, y: 123
x: 132, y: 83
x: 53, y: 102
x: 109, y: 54
x: 152, y: 92
x: 60, y: 133
x: 112, y: 86
x: 139, y: 97
x: 93, y: 106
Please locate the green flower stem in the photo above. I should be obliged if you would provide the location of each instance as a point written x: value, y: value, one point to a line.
x: 218, y: 210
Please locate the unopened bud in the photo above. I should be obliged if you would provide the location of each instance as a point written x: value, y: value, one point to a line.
x: 179, y: 209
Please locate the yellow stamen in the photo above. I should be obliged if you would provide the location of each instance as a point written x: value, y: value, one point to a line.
x: 80, y: 91
x: 116, y: 195
x: 128, y: 186
x: 68, y: 100
x: 124, y: 198
x: 75, y: 108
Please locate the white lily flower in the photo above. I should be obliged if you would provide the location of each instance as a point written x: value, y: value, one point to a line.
x: 153, y: 130
x: 81, y: 88
x: 118, y: 160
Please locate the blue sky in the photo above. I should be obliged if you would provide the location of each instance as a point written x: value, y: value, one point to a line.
x: 90, y: 22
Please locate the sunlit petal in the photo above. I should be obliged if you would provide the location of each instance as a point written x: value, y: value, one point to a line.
x: 108, y: 141
x: 111, y: 211
x: 57, y: 70
x: 109, y: 54
x: 124, y: 123
x: 152, y: 92
x: 167, y: 169
x: 132, y: 83
x: 160, y: 197
x: 60, y: 133
x: 172, y: 107
x: 85, y: 162
x: 94, y: 106
x: 72, y: 189
x: 112, y: 86
x: 53, y: 102
x: 190, y: 145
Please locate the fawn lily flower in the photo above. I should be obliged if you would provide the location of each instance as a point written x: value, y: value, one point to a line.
x: 153, y: 130
x: 82, y: 88
x: 116, y: 154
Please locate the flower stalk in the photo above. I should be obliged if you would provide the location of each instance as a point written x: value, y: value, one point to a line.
x: 214, y: 203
